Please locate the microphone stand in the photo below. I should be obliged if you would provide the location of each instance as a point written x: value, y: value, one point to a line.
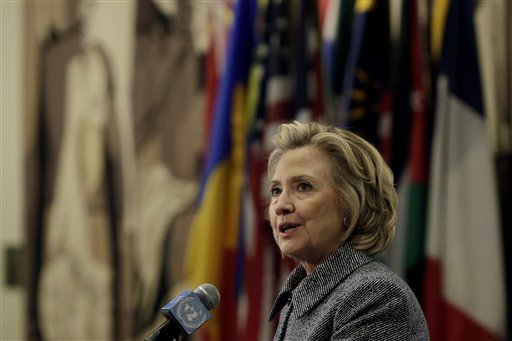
x: 167, y: 331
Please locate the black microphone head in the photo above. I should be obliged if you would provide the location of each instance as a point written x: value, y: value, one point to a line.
x: 208, y: 294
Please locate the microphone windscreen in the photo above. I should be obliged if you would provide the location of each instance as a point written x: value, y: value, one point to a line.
x: 208, y: 294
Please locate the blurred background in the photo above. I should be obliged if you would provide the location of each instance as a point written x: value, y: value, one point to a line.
x: 135, y: 135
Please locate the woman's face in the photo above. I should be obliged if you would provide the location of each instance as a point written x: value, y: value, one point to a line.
x: 304, y: 214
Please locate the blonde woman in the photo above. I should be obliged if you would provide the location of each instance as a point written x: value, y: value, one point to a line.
x: 332, y: 209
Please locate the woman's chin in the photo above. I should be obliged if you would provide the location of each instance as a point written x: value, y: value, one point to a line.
x: 293, y: 253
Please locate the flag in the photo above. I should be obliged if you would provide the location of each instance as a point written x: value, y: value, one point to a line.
x: 409, y: 159
x: 437, y: 26
x: 365, y: 96
x: 493, y: 21
x: 394, y: 256
x: 214, y: 235
x: 418, y: 158
x: 464, y: 294
x: 308, y: 86
x: 269, y: 104
x: 336, y: 33
x: 215, y: 58
x: 331, y: 17
x: 337, y: 40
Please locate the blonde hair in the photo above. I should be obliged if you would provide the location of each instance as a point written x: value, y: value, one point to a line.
x: 363, y: 181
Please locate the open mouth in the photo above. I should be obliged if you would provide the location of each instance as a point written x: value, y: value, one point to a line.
x: 286, y: 227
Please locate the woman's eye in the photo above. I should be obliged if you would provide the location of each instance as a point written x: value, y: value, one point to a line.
x: 304, y: 186
x: 274, y: 191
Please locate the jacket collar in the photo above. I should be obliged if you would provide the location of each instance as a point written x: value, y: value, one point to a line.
x: 309, y: 290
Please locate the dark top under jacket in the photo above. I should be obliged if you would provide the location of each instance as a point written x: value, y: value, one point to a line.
x: 350, y: 296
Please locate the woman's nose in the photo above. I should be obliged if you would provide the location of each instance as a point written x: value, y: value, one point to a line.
x: 284, y: 205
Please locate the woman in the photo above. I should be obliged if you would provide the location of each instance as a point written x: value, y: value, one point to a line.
x: 332, y: 209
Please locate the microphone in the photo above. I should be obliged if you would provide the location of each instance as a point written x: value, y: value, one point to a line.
x: 186, y: 313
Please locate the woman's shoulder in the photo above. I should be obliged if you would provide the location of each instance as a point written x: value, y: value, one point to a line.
x: 374, y: 286
x: 375, y: 279
x: 373, y: 295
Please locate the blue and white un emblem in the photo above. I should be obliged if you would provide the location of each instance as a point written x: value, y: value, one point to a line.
x: 191, y: 313
x: 188, y: 311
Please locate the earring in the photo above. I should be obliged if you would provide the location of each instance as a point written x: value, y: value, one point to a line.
x: 345, y: 222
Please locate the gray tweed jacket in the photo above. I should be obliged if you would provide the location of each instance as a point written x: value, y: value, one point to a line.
x: 350, y: 296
